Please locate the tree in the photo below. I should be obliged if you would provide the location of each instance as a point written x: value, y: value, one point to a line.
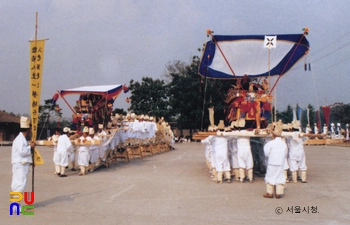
x: 186, y: 93
x: 49, y: 117
x: 340, y: 113
x: 150, y: 97
x: 119, y: 111
x: 191, y: 95
x: 286, y: 116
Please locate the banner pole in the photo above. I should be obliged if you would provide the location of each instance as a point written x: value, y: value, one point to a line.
x: 34, y: 135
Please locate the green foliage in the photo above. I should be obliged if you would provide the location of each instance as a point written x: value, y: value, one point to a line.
x: 150, y: 97
x: 286, y: 116
x: 340, y: 113
x: 184, y: 99
x: 119, y: 111
x: 48, y: 112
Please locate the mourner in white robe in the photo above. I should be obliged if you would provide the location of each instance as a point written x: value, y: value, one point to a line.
x: 72, y: 154
x: 210, y: 160
x: 221, y: 158
x: 325, y: 129
x: 297, y: 156
x: 83, y: 152
x: 232, y: 144
x: 276, y: 151
x: 64, y: 147
x: 245, y: 158
x: 332, y: 131
x: 56, y: 159
x: 102, y: 134
x: 21, y: 157
x: 93, y: 150
x: 211, y: 155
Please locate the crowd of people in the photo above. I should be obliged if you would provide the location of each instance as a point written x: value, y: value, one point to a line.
x: 90, y: 148
x: 87, y: 148
x: 283, y: 157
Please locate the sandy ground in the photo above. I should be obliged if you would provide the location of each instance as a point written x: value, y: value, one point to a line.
x: 175, y: 188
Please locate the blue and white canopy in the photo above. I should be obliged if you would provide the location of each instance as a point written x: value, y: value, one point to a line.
x: 229, y: 57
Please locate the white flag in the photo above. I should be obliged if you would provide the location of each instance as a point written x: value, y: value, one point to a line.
x: 270, y: 41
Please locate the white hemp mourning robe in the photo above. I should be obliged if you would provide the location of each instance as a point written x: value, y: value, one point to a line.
x: 20, y: 158
x: 221, y: 154
x: 276, y: 152
x: 64, y: 146
x: 296, y: 152
x: 83, y: 156
x: 244, y: 154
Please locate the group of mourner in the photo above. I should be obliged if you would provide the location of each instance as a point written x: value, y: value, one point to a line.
x: 119, y: 133
x: 231, y: 156
x: 88, y: 148
x: 227, y: 157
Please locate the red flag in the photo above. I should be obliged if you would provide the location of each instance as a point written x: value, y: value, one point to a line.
x: 326, y: 113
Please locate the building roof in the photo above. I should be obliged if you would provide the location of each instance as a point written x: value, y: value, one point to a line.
x: 8, y: 118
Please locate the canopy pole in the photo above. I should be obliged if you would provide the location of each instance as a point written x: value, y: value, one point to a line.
x: 305, y: 33
x: 205, y: 95
x: 209, y: 32
x: 66, y: 102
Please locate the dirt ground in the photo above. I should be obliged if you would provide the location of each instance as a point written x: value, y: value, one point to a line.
x: 175, y: 188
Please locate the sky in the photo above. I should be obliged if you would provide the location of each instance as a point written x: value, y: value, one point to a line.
x: 93, y: 42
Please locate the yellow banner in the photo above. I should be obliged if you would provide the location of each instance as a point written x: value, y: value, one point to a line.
x: 38, y: 160
x: 36, y: 68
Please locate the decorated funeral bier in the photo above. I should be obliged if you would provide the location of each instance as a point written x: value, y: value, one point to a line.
x: 254, y: 64
x: 115, y: 136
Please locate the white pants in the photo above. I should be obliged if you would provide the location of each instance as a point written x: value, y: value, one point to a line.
x: 296, y: 164
x: 56, y: 158
x: 19, y: 176
x: 83, y: 158
x: 245, y: 158
x: 221, y: 155
x: 63, y: 158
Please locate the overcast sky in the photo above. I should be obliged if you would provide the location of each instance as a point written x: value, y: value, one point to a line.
x: 95, y: 42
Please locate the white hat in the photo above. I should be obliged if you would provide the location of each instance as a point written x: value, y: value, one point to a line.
x: 278, y: 128
x: 24, y: 122
x: 66, y: 130
x: 100, y: 126
x: 296, y: 124
x: 285, y: 126
x: 86, y: 130
x: 91, y: 130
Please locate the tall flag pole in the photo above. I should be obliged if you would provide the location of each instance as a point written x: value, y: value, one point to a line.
x: 36, y: 66
x: 270, y: 42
